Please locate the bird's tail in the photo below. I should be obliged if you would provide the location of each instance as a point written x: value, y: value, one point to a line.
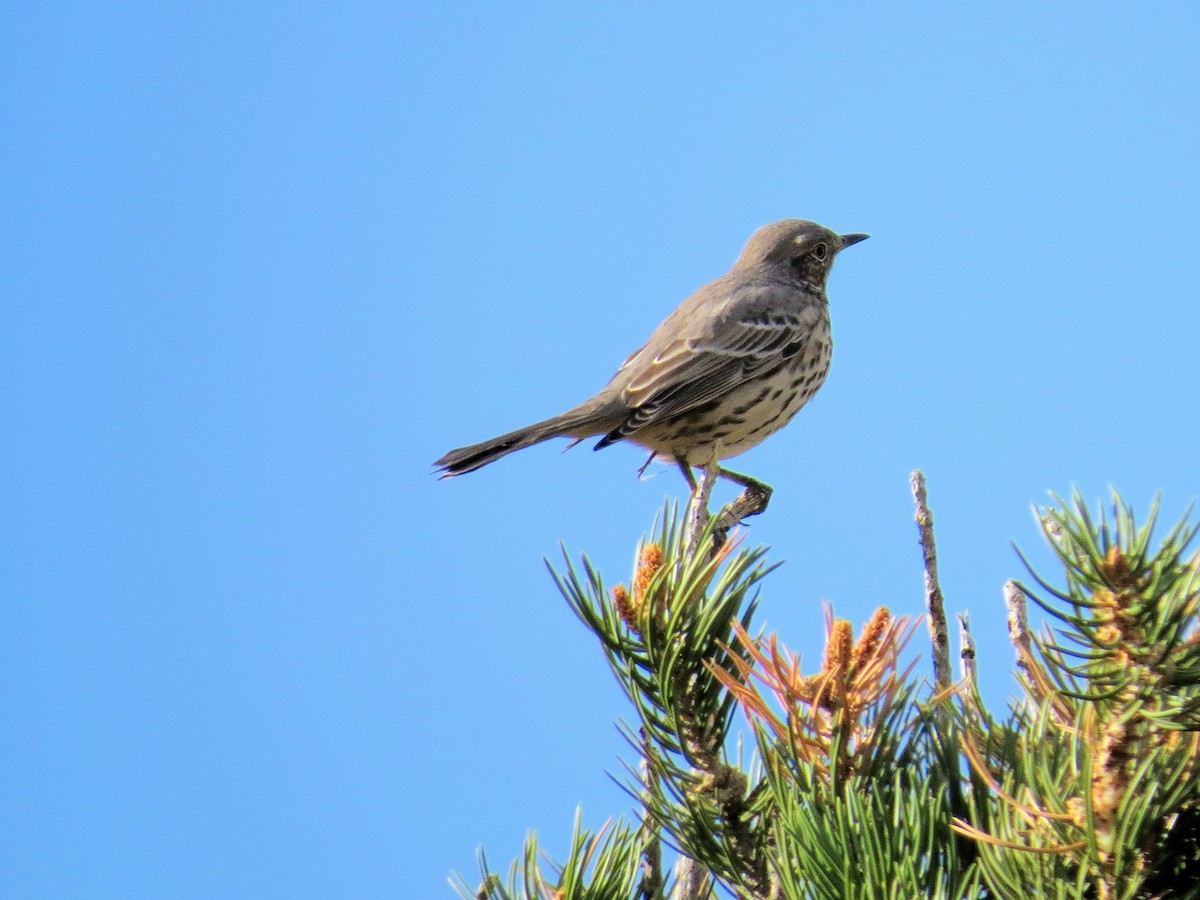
x: 576, y: 423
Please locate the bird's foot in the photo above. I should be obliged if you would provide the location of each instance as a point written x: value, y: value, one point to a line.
x: 753, y: 500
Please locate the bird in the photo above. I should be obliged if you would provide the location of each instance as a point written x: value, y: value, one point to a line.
x: 729, y: 367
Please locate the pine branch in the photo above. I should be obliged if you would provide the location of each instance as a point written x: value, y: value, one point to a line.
x: 1101, y: 765
x: 1090, y: 788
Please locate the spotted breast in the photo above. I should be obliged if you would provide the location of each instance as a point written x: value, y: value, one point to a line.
x: 741, y: 419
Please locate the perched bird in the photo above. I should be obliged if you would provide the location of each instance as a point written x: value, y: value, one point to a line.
x: 730, y: 367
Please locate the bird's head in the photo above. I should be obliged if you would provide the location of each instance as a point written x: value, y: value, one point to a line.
x: 804, y: 249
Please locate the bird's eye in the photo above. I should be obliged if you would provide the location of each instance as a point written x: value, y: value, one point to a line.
x: 820, y: 252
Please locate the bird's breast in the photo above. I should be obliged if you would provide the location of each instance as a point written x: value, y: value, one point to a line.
x: 747, y: 414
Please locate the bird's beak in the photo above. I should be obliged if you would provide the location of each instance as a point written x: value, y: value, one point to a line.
x: 849, y: 240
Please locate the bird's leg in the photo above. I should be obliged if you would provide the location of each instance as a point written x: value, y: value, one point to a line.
x: 750, y: 484
x: 686, y: 469
x: 645, y: 465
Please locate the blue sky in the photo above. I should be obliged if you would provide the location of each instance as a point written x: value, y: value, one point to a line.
x: 263, y: 263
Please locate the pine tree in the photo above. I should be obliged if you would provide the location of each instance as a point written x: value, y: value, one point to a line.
x: 867, y: 782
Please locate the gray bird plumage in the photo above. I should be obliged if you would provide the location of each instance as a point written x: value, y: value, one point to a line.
x: 729, y: 367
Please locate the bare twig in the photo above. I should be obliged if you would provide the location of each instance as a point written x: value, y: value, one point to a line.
x: 938, y: 632
x: 1034, y: 676
x: 697, y: 512
x: 651, y: 887
x: 966, y: 652
x: 691, y: 880
x: 934, y: 602
x: 1018, y: 625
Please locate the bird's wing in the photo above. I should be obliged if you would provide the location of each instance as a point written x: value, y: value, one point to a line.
x: 692, y: 370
